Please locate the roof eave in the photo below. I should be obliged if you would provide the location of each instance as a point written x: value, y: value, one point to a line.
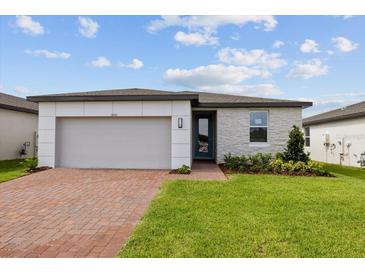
x: 334, y: 119
x: 83, y: 98
x: 20, y: 109
x: 254, y: 104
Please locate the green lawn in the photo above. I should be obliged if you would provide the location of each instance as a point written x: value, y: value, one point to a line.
x: 355, y: 172
x: 255, y: 216
x: 11, y: 169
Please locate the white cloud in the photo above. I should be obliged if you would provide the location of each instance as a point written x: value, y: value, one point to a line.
x: 22, y: 90
x: 257, y: 58
x: 87, y: 27
x: 264, y: 90
x: 309, y: 46
x: 235, y: 36
x: 330, y: 52
x: 136, y: 64
x: 101, y: 62
x: 206, y: 77
x: 344, y: 45
x: 48, y: 54
x: 196, y: 38
x: 210, y: 23
x: 345, y: 17
x: 278, y: 44
x: 310, y: 69
x: 28, y: 25
x: 332, y: 101
x: 222, y: 79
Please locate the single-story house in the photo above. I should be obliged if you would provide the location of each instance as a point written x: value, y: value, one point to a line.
x: 18, y: 127
x: 153, y: 129
x: 337, y: 136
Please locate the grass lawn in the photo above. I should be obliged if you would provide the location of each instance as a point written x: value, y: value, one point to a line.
x: 11, y: 169
x: 355, y: 172
x: 255, y: 216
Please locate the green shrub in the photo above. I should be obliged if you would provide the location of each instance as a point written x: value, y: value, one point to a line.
x: 260, y: 162
x: 279, y: 156
x: 236, y: 163
x: 264, y: 163
x: 277, y: 165
x: 287, y: 167
x: 231, y: 162
x: 184, y: 169
x: 294, y: 150
x: 31, y: 163
x: 317, y: 169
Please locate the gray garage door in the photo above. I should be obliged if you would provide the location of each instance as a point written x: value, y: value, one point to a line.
x: 113, y: 142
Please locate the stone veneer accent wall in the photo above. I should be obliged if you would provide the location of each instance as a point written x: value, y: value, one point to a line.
x: 233, y: 128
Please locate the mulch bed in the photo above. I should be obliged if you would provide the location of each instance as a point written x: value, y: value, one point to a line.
x: 174, y: 171
x: 38, y: 169
x: 307, y: 174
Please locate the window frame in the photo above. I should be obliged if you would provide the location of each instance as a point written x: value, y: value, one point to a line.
x: 307, y: 137
x: 267, y: 128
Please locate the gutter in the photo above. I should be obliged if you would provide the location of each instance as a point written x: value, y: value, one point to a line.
x: 89, y: 98
x: 254, y: 104
x: 15, y: 108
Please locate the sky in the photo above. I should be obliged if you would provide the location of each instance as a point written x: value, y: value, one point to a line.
x: 312, y: 58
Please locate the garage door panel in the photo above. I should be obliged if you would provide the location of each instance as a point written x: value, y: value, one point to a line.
x: 113, y: 142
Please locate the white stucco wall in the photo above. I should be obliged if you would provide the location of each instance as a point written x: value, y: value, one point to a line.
x: 351, y: 131
x: 180, y: 137
x: 233, y: 130
x: 16, y: 128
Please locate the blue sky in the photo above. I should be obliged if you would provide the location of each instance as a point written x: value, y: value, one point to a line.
x: 318, y: 58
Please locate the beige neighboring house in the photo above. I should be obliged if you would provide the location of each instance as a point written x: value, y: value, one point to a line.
x: 337, y: 136
x: 18, y: 127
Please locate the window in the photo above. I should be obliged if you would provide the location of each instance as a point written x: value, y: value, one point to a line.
x: 307, y: 136
x: 258, y: 126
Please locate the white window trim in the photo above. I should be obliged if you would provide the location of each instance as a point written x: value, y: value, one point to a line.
x: 307, y: 136
x: 258, y: 144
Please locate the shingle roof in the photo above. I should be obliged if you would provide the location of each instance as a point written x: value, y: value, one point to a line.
x: 114, y: 92
x: 16, y: 103
x: 199, y: 99
x: 351, y: 111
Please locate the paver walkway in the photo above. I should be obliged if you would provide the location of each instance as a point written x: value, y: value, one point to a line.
x: 78, y: 212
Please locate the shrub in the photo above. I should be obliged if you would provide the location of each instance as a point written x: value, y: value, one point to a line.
x: 276, y: 165
x: 260, y: 162
x: 287, y: 167
x: 294, y: 150
x: 231, y: 162
x: 264, y: 163
x: 238, y: 163
x: 31, y: 163
x: 184, y: 169
x: 279, y: 156
x: 317, y: 169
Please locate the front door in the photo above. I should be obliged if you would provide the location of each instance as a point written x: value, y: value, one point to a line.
x: 204, y: 136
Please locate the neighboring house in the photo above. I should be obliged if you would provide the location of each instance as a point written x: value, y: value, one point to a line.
x: 18, y: 127
x: 337, y: 136
x: 141, y: 128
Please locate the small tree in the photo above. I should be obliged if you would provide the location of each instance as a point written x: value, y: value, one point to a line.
x: 294, y: 150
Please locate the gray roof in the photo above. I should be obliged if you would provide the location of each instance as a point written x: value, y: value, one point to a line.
x: 199, y: 99
x: 351, y: 111
x: 16, y: 103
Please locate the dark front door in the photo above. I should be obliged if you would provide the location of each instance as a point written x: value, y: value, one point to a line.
x: 203, y: 136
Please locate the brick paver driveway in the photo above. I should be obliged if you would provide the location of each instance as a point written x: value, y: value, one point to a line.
x: 72, y: 212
